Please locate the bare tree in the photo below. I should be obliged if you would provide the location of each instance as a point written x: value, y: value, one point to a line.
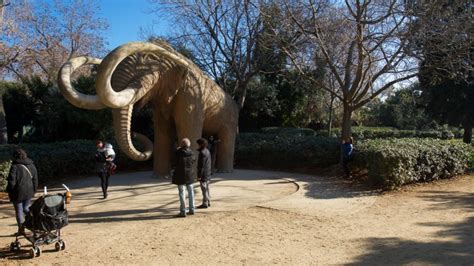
x: 39, y: 36
x: 361, y: 43
x: 3, y: 122
x: 223, y: 36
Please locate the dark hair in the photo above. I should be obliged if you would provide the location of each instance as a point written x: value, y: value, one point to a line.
x: 19, y: 154
x: 202, y: 142
x: 97, y: 142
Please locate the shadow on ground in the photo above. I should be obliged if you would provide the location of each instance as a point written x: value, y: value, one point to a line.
x: 457, y: 251
x: 337, y: 187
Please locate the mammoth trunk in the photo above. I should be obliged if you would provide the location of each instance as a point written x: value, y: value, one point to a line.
x: 122, y: 118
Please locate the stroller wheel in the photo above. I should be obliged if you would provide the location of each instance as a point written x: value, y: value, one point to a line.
x: 60, y: 245
x: 15, y: 246
x: 32, y: 252
x: 35, y: 252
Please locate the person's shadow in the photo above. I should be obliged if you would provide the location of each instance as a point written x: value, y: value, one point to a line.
x: 21, y: 254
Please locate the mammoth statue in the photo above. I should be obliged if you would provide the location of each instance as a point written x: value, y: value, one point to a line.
x: 186, y: 102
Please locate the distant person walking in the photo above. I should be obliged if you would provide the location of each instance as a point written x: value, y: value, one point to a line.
x: 347, y: 155
x: 22, y: 185
x: 204, y: 172
x: 212, y: 145
x: 104, y: 164
x: 184, y: 176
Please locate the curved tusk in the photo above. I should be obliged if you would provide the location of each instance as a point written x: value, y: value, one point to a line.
x: 129, y: 95
x: 78, y: 99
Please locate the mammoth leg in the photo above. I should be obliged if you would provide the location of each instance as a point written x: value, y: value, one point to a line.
x: 165, y: 136
x: 225, y: 150
x: 189, y: 125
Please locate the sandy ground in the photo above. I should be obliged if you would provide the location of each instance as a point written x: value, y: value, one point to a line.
x: 261, y: 218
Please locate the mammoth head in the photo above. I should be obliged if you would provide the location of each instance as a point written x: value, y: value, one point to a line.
x: 130, y: 73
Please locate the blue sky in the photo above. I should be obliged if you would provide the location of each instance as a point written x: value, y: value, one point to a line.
x: 125, y: 17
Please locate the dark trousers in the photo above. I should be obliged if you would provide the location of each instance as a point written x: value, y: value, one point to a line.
x: 345, y: 166
x: 104, y: 182
x: 21, y: 207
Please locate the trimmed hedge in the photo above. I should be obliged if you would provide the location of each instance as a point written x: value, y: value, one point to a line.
x: 390, y: 162
x: 62, y: 159
x: 288, y: 131
x: 272, y: 150
x: 363, y: 133
x: 394, y: 162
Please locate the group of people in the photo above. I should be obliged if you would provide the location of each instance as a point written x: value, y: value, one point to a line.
x: 184, y: 173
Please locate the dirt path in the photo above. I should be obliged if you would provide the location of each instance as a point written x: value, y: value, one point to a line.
x: 261, y: 218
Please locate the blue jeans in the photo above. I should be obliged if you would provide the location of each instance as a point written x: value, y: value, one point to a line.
x: 206, y: 197
x: 182, y: 202
x: 21, y: 207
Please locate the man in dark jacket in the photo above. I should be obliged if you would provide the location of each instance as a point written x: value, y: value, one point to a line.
x: 184, y: 176
x: 22, y: 184
x: 204, y: 172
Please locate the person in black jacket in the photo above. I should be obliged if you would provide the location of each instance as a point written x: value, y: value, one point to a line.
x: 204, y: 172
x: 104, y: 165
x: 22, y: 185
x: 184, y: 176
x: 212, y: 147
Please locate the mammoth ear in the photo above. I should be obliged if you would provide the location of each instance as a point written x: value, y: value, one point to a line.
x: 151, y: 74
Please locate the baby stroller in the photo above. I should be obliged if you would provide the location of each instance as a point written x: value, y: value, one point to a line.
x: 46, y: 217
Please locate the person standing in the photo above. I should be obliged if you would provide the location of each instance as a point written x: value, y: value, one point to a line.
x: 184, y: 175
x: 103, y: 160
x: 213, y: 150
x: 204, y: 172
x: 347, y: 155
x: 22, y: 185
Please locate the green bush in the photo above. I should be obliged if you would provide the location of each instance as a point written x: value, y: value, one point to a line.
x: 288, y: 131
x: 4, y: 169
x: 61, y: 159
x: 271, y: 150
x: 363, y: 133
x: 395, y: 162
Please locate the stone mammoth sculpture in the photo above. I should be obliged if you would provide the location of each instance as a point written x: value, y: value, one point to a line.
x: 186, y: 102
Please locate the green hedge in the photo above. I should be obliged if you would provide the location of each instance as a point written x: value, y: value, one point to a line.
x: 363, y: 133
x: 395, y: 162
x: 282, y: 150
x: 288, y: 131
x: 390, y: 162
x: 62, y: 159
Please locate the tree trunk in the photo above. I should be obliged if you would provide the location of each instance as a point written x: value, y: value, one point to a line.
x: 467, y: 137
x: 346, y: 122
x: 3, y: 124
x: 242, y: 92
x: 330, y: 115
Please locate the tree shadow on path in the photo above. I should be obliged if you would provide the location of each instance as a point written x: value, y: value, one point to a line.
x: 336, y: 187
x: 455, y: 245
